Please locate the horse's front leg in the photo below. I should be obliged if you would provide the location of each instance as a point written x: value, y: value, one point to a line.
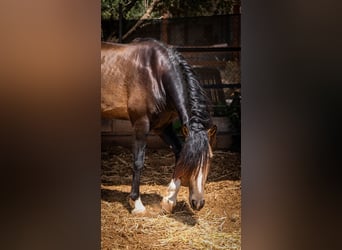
x: 139, y: 145
x: 169, y: 137
x: 169, y: 202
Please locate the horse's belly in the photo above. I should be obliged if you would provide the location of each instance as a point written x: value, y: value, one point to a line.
x: 115, y: 113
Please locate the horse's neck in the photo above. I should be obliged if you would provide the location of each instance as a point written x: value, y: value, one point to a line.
x: 178, y: 94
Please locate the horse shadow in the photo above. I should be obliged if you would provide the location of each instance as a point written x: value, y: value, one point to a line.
x: 182, y: 212
x: 123, y: 197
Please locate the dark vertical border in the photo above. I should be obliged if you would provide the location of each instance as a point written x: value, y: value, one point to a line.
x: 50, y: 125
x: 291, y: 125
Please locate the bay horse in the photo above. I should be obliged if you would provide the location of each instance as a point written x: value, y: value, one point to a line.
x: 151, y: 84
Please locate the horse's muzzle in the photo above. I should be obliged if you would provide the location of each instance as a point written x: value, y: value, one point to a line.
x: 197, y: 204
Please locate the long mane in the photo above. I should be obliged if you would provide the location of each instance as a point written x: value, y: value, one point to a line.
x: 195, y: 152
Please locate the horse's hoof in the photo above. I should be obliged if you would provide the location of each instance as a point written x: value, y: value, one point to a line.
x: 138, y: 207
x: 139, y: 211
x: 167, y: 206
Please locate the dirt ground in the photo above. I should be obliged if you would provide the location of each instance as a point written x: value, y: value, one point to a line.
x: 216, y: 226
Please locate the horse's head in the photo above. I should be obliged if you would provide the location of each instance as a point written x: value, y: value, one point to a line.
x: 195, y: 164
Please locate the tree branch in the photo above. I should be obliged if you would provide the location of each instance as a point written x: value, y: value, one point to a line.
x: 141, y: 20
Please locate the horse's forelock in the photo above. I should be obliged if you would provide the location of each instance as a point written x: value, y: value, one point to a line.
x: 194, y: 156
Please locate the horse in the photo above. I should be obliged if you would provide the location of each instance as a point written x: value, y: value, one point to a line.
x: 151, y: 84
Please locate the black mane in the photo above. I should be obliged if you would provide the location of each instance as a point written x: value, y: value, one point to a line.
x: 195, y: 151
x: 198, y: 101
x: 199, y: 114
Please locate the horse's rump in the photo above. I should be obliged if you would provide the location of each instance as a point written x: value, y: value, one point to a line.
x: 131, y: 80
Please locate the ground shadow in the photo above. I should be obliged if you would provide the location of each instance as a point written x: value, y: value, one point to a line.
x: 122, y: 197
x: 182, y: 212
x: 116, y: 166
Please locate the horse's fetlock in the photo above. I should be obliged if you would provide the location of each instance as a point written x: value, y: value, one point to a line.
x: 134, y: 196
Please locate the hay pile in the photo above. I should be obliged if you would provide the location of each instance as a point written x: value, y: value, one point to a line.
x: 216, y: 226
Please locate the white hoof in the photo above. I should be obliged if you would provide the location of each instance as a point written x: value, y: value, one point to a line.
x: 167, y: 205
x: 139, y: 211
x: 138, y: 207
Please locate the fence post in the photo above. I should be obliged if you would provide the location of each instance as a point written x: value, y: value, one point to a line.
x: 164, y: 28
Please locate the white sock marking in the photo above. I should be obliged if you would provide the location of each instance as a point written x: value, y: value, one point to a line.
x: 138, y: 206
x: 173, y: 190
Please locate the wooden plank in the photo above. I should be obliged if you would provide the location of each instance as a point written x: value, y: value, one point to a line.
x: 122, y: 134
x: 107, y: 126
x: 124, y: 128
x: 223, y: 141
x: 202, y: 49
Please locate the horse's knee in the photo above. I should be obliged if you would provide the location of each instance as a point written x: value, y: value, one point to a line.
x: 138, y: 164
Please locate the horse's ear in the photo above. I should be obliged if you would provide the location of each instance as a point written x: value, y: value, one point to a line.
x: 185, y: 130
x: 212, y: 131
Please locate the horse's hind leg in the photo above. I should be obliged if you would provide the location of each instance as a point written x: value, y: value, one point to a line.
x: 141, y: 128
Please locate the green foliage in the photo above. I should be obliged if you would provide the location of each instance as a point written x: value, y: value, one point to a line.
x: 179, y: 8
x: 177, y: 125
x: 220, y: 109
x: 137, y: 11
x: 234, y: 113
x: 131, y: 9
x: 109, y: 9
x: 175, y: 8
